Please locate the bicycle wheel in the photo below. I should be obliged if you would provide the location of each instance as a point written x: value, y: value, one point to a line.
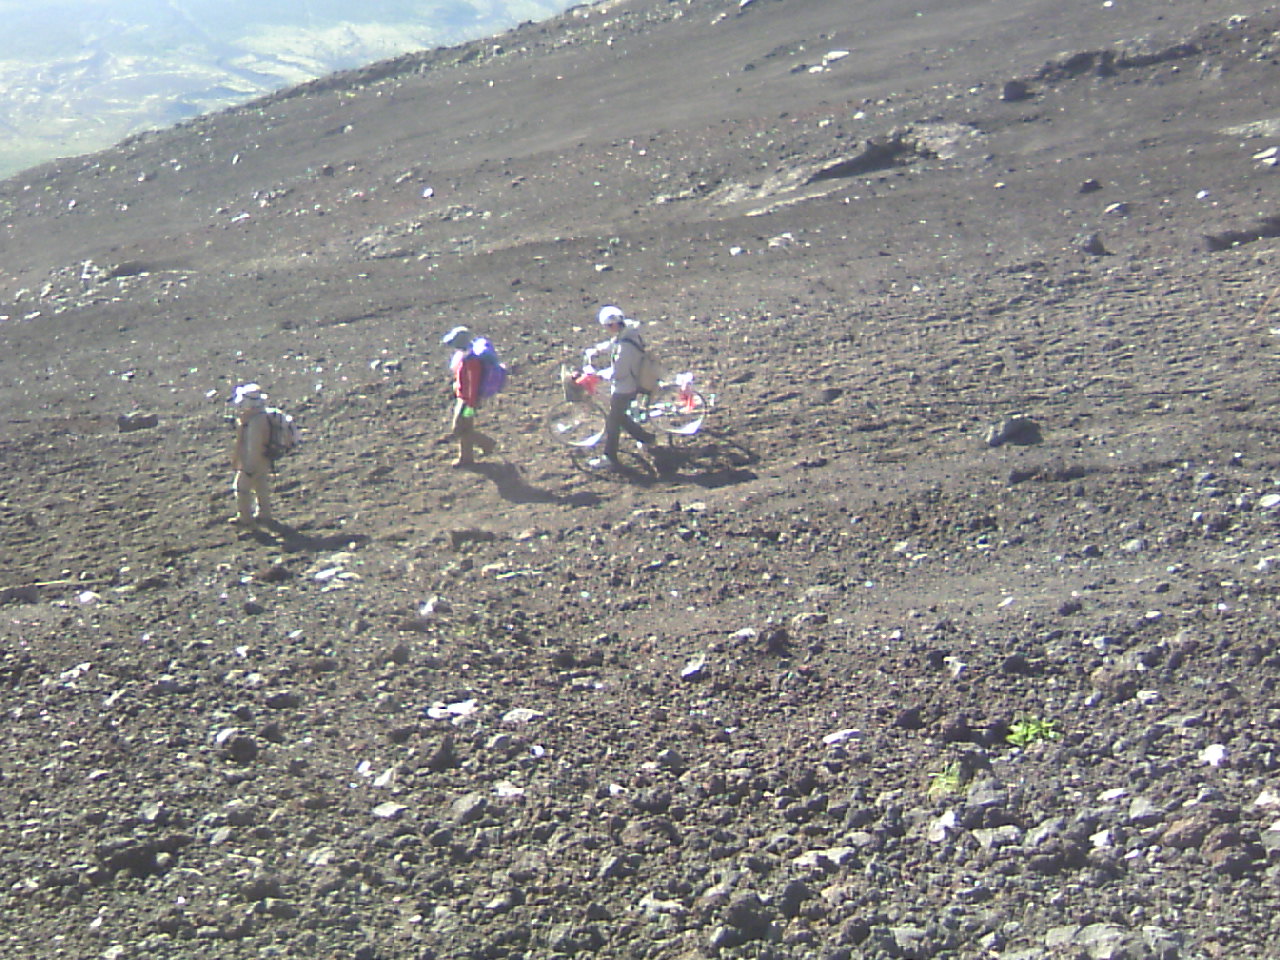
x: 576, y: 424
x: 677, y: 411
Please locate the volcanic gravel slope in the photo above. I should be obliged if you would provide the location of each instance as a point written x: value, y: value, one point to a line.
x: 985, y: 292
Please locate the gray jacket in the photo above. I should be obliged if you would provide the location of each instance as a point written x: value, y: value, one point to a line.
x: 628, y: 354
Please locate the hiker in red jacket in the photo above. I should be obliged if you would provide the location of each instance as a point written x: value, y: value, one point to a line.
x: 468, y: 371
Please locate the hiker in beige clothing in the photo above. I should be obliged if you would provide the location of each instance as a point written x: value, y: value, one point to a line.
x: 249, y: 456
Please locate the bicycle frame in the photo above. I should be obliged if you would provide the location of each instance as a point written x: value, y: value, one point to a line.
x: 675, y: 409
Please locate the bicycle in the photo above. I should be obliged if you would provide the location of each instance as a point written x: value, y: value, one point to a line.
x: 675, y: 409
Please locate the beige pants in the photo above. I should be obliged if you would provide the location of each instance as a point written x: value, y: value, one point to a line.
x: 248, y: 488
x: 468, y: 437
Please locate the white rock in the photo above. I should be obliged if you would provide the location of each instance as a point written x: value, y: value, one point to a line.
x: 694, y: 669
x: 840, y: 736
x: 521, y: 715
x: 78, y: 670
x: 1215, y: 755
x: 652, y: 906
x: 994, y: 837
x: 942, y: 828
x: 321, y: 856
x: 835, y: 856
x: 225, y: 735
x: 452, y: 711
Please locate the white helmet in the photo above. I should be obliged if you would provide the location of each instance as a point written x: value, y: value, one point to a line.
x: 457, y: 337
x: 611, y: 314
x: 249, y: 394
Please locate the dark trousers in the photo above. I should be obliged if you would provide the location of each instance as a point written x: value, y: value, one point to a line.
x: 617, y: 421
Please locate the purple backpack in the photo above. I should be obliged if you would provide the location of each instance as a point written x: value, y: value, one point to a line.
x: 495, y: 372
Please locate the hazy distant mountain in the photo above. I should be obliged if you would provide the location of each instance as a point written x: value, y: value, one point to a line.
x: 79, y: 75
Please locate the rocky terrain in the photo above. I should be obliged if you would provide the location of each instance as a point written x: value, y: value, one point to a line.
x: 951, y: 636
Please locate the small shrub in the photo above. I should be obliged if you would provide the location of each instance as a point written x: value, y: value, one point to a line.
x: 946, y: 781
x: 1031, y: 730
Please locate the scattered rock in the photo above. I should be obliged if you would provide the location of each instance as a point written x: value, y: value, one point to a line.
x: 236, y: 746
x: 129, y: 422
x: 832, y: 782
x: 694, y: 670
x: 468, y: 808
x: 1016, y: 430
x: 1092, y: 245
x: 389, y: 810
x: 1014, y: 91
x: 460, y: 537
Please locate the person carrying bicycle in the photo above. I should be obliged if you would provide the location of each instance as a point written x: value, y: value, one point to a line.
x: 626, y: 350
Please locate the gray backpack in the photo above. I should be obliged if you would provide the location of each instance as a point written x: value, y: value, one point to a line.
x: 285, y: 434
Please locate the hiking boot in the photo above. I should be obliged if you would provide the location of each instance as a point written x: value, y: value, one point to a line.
x: 241, y: 522
x: 462, y: 463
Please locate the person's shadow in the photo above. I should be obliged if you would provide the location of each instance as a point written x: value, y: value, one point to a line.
x: 293, y: 540
x: 712, y: 460
x: 513, y: 487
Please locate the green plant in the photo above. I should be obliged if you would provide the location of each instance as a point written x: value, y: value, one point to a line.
x: 1029, y: 730
x: 947, y: 780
